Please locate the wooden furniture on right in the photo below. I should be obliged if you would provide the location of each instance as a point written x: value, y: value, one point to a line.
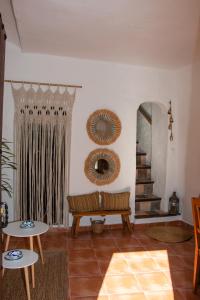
x: 2, y: 63
x: 196, y: 218
x: 78, y: 215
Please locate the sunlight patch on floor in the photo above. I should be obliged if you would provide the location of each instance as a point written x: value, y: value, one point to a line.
x: 134, y: 272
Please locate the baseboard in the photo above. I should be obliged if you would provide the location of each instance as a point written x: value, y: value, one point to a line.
x: 158, y: 219
x: 139, y: 223
x: 188, y: 223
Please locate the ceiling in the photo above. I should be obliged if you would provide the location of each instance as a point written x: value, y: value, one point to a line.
x: 159, y: 33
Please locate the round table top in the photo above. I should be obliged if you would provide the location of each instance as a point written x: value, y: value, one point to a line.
x: 14, y: 229
x: 29, y: 258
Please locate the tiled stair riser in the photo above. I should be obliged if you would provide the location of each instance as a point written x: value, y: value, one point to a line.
x: 148, y: 188
x: 144, y: 189
x: 143, y: 174
x: 144, y: 207
x: 155, y: 205
x: 147, y: 206
x: 140, y: 160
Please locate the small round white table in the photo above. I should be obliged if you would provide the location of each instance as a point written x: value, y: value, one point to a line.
x: 29, y: 258
x: 14, y: 229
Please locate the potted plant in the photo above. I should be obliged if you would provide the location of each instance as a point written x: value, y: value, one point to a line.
x: 6, y: 163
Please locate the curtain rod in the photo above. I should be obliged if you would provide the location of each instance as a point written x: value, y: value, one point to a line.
x: 45, y: 83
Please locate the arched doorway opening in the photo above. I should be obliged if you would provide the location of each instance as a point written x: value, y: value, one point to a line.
x: 151, y: 160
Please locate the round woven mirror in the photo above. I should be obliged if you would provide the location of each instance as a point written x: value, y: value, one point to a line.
x: 103, y: 127
x: 102, y: 166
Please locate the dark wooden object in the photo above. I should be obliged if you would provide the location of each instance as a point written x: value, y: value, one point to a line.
x: 196, y: 219
x: 124, y: 215
x: 2, y: 63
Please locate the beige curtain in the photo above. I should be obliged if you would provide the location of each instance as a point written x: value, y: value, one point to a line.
x: 42, y: 142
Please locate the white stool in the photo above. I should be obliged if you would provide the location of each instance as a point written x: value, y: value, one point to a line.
x: 29, y: 258
x: 14, y: 229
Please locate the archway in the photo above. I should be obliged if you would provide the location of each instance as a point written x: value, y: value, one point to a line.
x: 151, y: 161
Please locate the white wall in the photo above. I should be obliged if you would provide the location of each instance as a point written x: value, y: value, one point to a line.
x: 159, y: 151
x: 192, y: 182
x: 144, y: 132
x: 120, y: 88
x: 177, y: 154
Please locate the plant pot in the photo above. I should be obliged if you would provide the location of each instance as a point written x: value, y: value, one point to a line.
x: 97, y: 225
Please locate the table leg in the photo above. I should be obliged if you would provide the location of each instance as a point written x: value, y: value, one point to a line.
x: 40, y: 248
x: 7, y: 242
x: 2, y: 272
x: 32, y: 267
x: 27, y: 283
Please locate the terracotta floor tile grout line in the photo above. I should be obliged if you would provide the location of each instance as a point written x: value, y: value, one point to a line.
x: 152, y: 268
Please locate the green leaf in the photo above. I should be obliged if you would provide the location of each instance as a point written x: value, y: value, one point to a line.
x: 6, y: 163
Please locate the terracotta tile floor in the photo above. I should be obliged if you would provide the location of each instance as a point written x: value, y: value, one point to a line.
x: 119, y: 266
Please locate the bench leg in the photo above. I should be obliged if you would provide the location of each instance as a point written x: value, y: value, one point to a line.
x: 75, y: 225
x: 123, y: 222
x: 128, y: 223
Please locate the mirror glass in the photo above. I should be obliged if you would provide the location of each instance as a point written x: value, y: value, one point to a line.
x: 103, y: 128
x: 101, y: 166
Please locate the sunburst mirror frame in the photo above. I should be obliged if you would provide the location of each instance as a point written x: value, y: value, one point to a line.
x: 103, y: 127
x: 113, y: 166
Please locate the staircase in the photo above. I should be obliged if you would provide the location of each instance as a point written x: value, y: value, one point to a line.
x: 146, y: 203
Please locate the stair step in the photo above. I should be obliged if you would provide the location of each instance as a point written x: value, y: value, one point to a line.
x: 144, y: 181
x: 145, y: 166
x: 140, y: 153
x: 147, y: 198
x: 143, y: 174
x: 151, y: 214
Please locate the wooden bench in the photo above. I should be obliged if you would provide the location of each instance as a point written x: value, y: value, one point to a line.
x: 78, y: 215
